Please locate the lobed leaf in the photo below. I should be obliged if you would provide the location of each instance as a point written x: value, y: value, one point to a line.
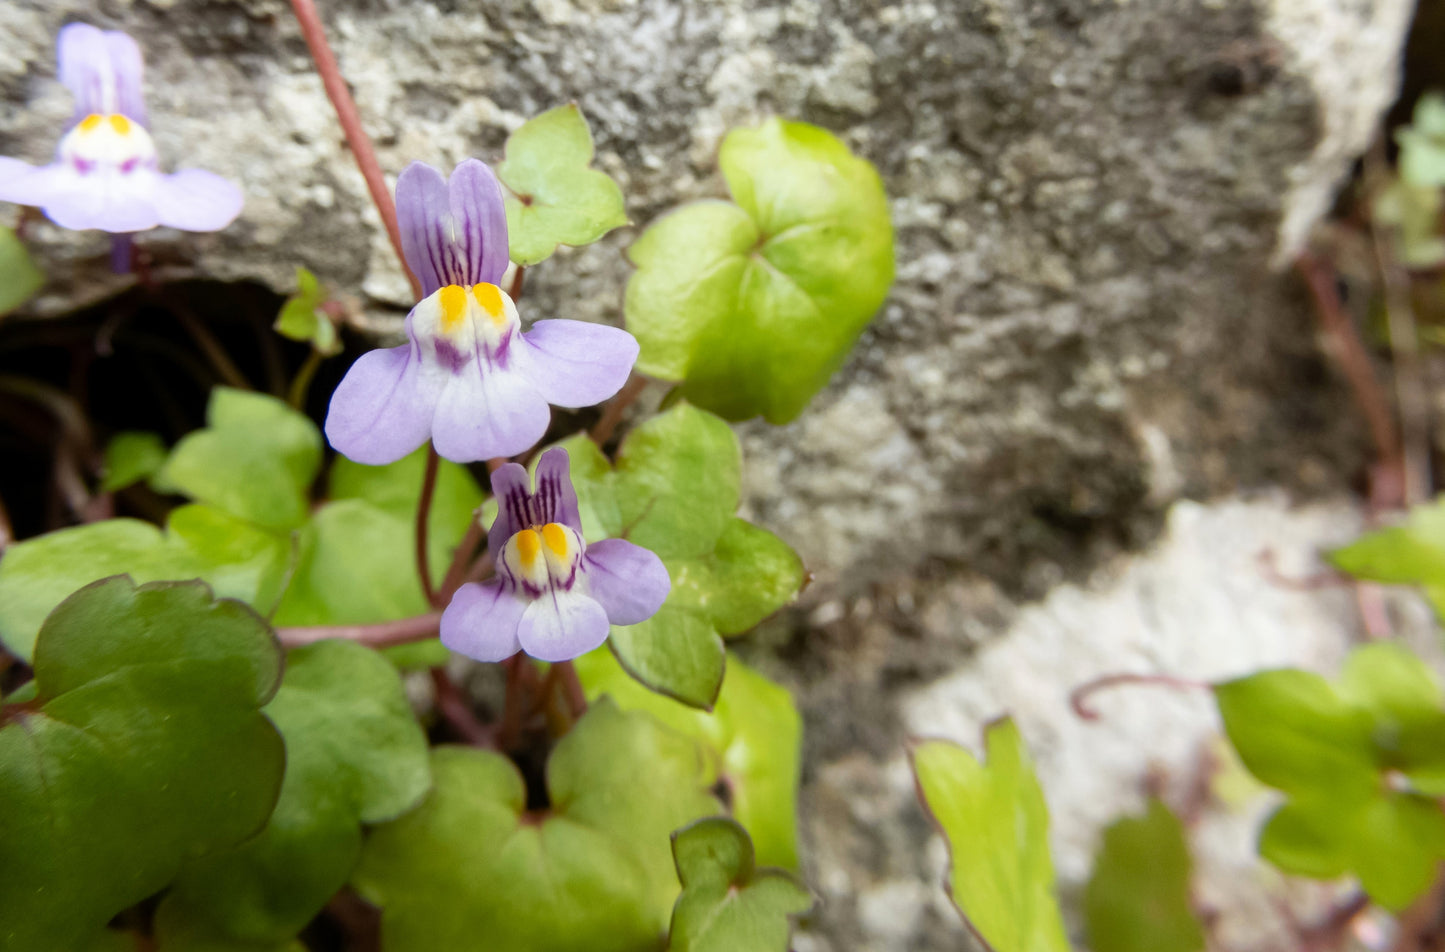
x: 131, y: 457
x: 1137, y: 899
x: 301, y: 317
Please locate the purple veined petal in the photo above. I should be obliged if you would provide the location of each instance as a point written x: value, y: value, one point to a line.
x: 512, y: 490
x: 422, y: 208
x: 561, y: 625
x: 628, y: 581
x: 482, y: 620
x: 485, y: 414
x: 576, y: 363
x: 193, y: 200
x: 383, y: 408
x: 102, y: 70
x: 107, y: 199
x: 23, y: 183
x: 480, y: 218
x: 556, y: 499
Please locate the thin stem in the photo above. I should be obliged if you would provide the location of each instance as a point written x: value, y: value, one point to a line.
x: 572, y: 686
x: 7, y: 529
x: 461, y: 560
x: 423, y: 517
x: 382, y: 635
x: 510, y: 727
x: 350, y: 119
x: 453, y: 707
x: 515, y: 293
x: 1079, y: 697
x: 296, y: 395
x: 612, y: 416
x: 215, y: 353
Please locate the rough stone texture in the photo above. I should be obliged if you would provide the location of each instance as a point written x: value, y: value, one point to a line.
x: 1088, y: 196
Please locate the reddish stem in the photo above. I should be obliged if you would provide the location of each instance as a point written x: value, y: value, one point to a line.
x: 515, y: 293
x: 1079, y: 697
x: 461, y: 561
x: 453, y: 707
x: 612, y: 416
x: 423, y: 516
x: 356, y: 137
x: 382, y: 635
x: 572, y: 687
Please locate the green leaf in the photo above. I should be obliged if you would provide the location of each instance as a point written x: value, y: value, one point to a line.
x: 554, y: 198
x: 19, y: 278
x: 1422, y: 143
x: 396, y: 488
x: 131, y: 457
x: 753, y: 739
x: 301, y: 317
x: 354, y: 754
x: 727, y: 905
x: 754, y: 305
x: 239, y: 560
x: 1410, y: 554
x: 996, y: 823
x: 675, y: 653
x: 1137, y: 899
x: 255, y: 459
x: 150, y: 750
x: 749, y: 574
x: 473, y: 868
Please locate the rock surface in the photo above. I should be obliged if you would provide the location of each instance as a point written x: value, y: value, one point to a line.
x: 1088, y: 196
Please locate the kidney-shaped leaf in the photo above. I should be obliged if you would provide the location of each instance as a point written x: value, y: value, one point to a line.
x: 145, y: 748
x: 997, y: 826
x: 1137, y: 899
x: 754, y: 305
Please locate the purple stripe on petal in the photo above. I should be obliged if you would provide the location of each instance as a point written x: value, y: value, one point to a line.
x: 105, y: 199
x: 481, y: 223
x: 562, y: 625
x: 556, y: 498
x: 511, y: 489
x: 383, y: 408
x: 127, y: 67
x: 628, y: 581
x: 422, y: 210
x: 577, y: 364
x: 102, y: 70
x: 194, y: 200
x: 483, y: 415
x: 482, y: 620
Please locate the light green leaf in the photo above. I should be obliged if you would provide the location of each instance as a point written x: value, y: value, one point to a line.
x: 590, y: 873
x: 754, y: 305
x: 301, y: 317
x: 240, y: 561
x: 396, y: 488
x: 1409, y: 554
x: 255, y: 459
x: 676, y: 653
x: 753, y: 738
x: 728, y: 905
x: 996, y: 823
x: 1137, y: 899
x: 354, y: 754
x: 749, y: 574
x: 554, y: 198
x: 19, y: 278
x: 131, y: 457
x: 1422, y: 143
x: 152, y: 698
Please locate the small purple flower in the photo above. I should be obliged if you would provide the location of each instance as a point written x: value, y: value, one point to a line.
x: 106, y: 174
x: 468, y: 378
x: 554, y: 596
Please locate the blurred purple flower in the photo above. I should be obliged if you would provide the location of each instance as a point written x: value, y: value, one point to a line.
x: 554, y: 596
x: 468, y: 378
x: 106, y: 174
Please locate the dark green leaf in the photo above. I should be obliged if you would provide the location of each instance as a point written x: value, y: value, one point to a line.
x: 753, y: 306
x: 19, y: 278
x: 131, y: 457
x: 1137, y: 899
x: 727, y: 905
x: 150, y: 750
x: 996, y: 823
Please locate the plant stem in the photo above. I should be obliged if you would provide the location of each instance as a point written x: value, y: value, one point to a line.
x: 461, y: 560
x: 515, y: 293
x: 296, y: 395
x: 511, y: 724
x: 423, y: 516
x: 215, y: 353
x: 572, y: 685
x: 1079, y: 697
x: 356, y: 137
x: 612, y: 416
x: 453, y: 707
x: 381, y: 635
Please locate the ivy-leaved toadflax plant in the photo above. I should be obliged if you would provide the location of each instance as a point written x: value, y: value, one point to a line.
x: 554, y: 596
x: 468, y: 378
x: 106, y: 173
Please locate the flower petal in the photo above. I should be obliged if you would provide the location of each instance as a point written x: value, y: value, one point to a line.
x: 481, y: 621
x: 102, y: 70
x: 630, y: 582
x: 108, y: 199
x: 576, y: 363
x: 422, y: 207
x: 481, y: 222
x: 383, y: 408
x: 512, y: 490
x: 556, y: 499
x: 485, y: 414
x: 561, y: 625
x: 193, y: 200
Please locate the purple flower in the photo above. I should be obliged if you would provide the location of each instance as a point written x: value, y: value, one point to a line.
x: 105, y: 174
x: 554, y: 596
x: 468, y: 378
